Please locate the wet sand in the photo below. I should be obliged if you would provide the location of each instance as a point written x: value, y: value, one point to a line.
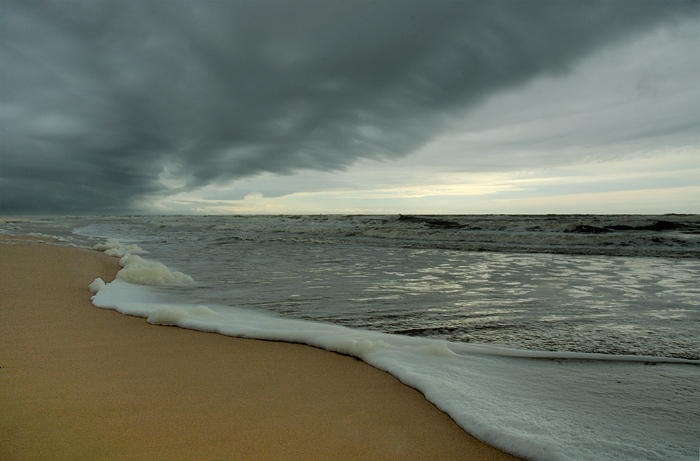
x: 79, y: 383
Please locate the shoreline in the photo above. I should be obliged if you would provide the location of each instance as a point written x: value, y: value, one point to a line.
x: 78, y: 382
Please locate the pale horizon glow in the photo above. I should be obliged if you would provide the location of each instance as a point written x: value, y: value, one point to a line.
x: 527, y: 192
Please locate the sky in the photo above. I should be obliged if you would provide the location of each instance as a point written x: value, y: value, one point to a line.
x: 335, y: 106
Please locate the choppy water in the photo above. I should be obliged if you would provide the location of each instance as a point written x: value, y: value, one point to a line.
x: 612, y: 285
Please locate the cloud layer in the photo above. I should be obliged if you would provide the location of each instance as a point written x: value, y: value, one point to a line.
x: 105, y: 103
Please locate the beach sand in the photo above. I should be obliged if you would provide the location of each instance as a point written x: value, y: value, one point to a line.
x: 79, y: 383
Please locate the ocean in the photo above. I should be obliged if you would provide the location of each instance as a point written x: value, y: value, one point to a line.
x: 554, y: 337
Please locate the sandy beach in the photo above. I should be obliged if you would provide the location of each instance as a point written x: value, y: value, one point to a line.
x: 78, y: 382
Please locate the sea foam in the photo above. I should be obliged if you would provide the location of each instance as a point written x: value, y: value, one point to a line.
x: 142, y: 272
x: 113, y: 247
x: 173, y: 315
x: 47, y: 236
x: 96, y: 285
x: 137, y: 270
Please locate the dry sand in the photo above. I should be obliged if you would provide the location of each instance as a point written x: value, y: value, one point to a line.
x: 79, y: 383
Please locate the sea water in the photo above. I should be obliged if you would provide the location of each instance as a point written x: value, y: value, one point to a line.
x: 552, y: 337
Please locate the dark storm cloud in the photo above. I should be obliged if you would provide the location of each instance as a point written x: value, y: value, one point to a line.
x: 105, y: 102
